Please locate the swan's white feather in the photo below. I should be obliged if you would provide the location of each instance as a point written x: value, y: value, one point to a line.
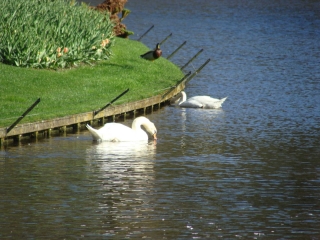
x: 198, y: 101
x: 117, y: 132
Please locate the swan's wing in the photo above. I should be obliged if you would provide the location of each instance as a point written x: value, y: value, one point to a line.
x: 209, y: 102
x: 117, y: 132
x: 191, y: 103
x: 204, y: 99
x: 112, y: 132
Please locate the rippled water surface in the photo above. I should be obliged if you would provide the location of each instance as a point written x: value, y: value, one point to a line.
x: 250, y: 170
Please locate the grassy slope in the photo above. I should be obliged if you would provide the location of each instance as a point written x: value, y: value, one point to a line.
x: 85, y: 88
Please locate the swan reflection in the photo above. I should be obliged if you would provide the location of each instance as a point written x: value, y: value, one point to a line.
x: 114, y: 156
x: 125, y: 173
x: 125, y: 150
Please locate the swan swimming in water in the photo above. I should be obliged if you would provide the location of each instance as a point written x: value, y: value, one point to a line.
x: 117, y: 132
x: 197, y: 101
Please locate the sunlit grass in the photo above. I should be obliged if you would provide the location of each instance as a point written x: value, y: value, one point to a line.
x: 85, y: 88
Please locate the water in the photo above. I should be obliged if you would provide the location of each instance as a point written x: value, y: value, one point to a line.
x: 250, y: 170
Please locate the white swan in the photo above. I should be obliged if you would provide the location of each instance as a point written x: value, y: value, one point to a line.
x: 197, y: 101
x: 117, y: 132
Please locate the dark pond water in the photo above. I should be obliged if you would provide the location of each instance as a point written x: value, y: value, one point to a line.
x: 250, y: 170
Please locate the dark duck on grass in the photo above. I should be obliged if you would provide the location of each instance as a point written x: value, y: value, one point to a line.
x: 153, y: 55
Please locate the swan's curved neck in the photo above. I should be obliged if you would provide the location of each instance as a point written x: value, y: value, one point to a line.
x: 136, y: 124
x: 183, y: 97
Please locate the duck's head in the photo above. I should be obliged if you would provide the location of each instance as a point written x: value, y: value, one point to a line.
x: 158, y: 52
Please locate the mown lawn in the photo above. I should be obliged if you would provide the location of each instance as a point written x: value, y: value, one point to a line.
x: 86, y: 88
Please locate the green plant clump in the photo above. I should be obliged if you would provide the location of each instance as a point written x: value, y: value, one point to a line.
x: 52, y: 34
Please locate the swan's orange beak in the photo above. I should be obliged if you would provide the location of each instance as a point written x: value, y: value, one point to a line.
x: 155, y: 136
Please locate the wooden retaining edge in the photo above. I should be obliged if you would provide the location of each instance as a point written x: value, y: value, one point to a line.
x: 71, y: 120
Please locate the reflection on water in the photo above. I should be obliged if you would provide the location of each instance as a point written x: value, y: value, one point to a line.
x: 122, y: 160
x: 125, y: 174
x: 250, y: 170
x: 122, y: 150
x: 193, y: 130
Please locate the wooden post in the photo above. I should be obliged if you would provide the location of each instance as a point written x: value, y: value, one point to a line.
x: 165, y: 39
x: 112, y: 101
x: 179, y: 82
x: 145, y: 32
x: 23, y: 115
x: 194, y: 57
x: 64, y: 130
x: 76, y: 127
x: 17, y: 138
x: 198, y: 70
x: 175, y: 51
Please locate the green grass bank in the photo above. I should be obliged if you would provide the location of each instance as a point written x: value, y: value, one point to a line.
x: 85, y: 88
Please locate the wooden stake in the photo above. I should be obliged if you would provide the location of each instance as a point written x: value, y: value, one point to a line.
x: 145, y: 32
x: 115, y: 99
x: 22, y: 116
x: 175, y: 51
x: 194, y: 57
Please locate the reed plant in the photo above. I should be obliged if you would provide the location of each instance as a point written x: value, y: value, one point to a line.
x: 52, y: 34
